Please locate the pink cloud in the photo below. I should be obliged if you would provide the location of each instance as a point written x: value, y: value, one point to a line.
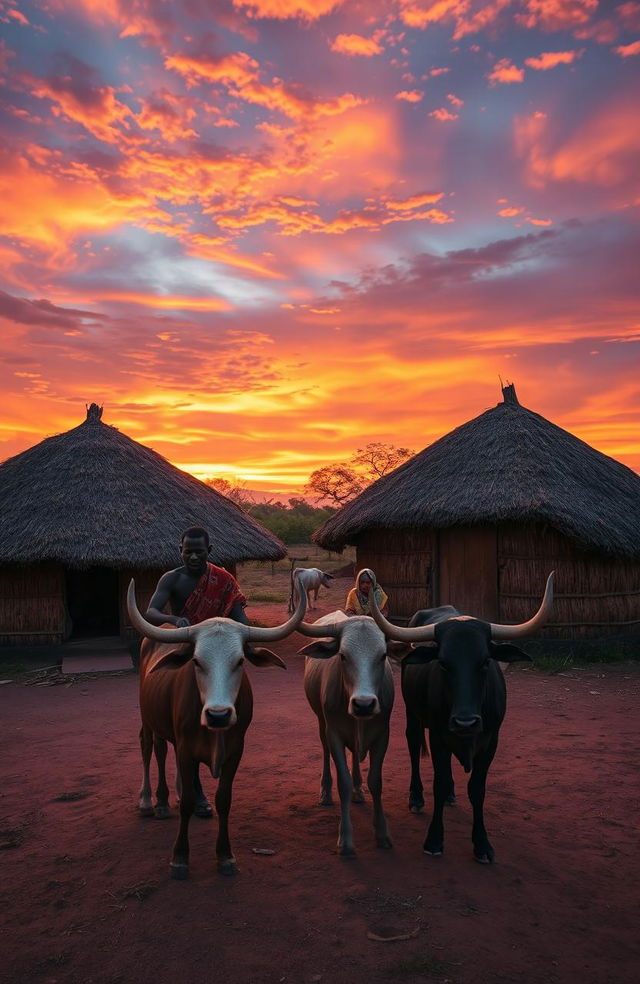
x: 628, y: 50
x: 549, y: 59
x: 505, y: 72
x: 355, y: 44
x: 285, y: 9
x: 410, y: 95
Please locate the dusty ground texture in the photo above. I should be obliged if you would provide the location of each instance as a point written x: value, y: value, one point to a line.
x: 86, y: 894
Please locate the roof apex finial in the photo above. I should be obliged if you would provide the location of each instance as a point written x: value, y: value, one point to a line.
x: 94, y: 412
x: 509, y: 395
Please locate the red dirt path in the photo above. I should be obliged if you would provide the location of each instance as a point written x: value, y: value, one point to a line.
x: 86, y: 896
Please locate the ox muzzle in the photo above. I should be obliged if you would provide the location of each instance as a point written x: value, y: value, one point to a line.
x: 364, y: 707
x: 218, y: 718
x: 465, y: 725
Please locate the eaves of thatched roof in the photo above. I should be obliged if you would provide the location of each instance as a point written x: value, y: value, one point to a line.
x: 508, y: 464
x: 93, y: 496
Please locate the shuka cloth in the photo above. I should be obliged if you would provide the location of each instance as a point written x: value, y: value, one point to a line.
x: 215, y: 594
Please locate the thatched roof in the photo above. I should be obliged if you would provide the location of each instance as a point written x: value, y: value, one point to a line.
x: 508, y: 464
x: 93, y: 496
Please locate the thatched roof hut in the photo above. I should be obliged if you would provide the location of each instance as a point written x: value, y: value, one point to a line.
x: 82, y: 511
x: 481, y: 516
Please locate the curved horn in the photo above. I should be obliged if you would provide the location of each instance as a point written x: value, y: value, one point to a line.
x: 527, y: 628
x: 146, y: 628
x: 255, y: 633
x: 418, y: 633
x: 329, y: 630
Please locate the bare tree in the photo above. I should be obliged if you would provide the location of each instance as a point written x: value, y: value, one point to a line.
x: 377, y: 459
x: 338, y: 483
x: 345, y: 480
x: 237, y: 493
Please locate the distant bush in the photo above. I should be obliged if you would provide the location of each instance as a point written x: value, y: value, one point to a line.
x: 293, y: 522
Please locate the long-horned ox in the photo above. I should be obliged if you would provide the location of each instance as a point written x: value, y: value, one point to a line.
x: 195, y: 693
x: 348, y: 683
x: 457, y: 690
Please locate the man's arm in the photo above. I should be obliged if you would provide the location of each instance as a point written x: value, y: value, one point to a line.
x: 161, y: 597
x: 238, y: 613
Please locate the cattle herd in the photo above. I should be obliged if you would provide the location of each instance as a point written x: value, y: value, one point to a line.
x: 196, y: 695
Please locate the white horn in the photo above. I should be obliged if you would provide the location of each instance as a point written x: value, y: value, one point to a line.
x: 527, y: 628
x: 146, y: 628
x: 418, y: 633
x: 256, y: 633
x: 313, y: 631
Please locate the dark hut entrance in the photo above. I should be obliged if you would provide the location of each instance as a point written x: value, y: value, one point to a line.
x: 468, y: 560
x: 92, y: 602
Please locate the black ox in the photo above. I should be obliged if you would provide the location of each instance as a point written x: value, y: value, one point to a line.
x: 456, y: 689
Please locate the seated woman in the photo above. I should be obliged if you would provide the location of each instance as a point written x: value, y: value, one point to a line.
x: 357, y: 602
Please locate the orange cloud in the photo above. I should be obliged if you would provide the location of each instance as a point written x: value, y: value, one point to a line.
x: 628, y: 50
x: 410, y: 95
x: 286, y: 9
x: 416, y: 201
x: 549, y: 59
x: 101, y: 113
x: 509, y: 212
x: 602, y: 151
x: 504, y: 71
x: 557, y: 15
x: 169, y: 114
x: 443, y: 114
x: 355, y: 44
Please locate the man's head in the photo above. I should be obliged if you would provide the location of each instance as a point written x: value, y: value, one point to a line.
x: 195, y: 548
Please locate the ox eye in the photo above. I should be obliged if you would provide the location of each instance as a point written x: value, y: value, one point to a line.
x: 197, y: 663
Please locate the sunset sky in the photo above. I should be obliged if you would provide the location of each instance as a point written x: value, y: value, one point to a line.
x: 263, y: 233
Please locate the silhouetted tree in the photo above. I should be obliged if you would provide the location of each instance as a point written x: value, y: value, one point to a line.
x: 345, y: 480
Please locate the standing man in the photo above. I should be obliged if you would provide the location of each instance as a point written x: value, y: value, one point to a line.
x: 194, y: 592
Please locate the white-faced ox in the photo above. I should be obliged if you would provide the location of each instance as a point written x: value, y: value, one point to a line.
x: 195, y: 693
x: 348, y: 683
x: 309, y: 580
x: 456, y: 689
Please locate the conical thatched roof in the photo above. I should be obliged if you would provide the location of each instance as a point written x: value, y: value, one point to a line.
x: 93, y: 496
x: 508, y: 464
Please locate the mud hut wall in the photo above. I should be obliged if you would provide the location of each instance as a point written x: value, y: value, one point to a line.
x: 595, y: 596
x: 145, y: 585
x: 32, y: 605
x: 404, y: 563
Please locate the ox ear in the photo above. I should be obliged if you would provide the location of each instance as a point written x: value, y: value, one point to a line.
x: 420, y: 655
x: 321, y: 648
x: 506, y: 653
x: 397, y: 651
x: 263, y: 657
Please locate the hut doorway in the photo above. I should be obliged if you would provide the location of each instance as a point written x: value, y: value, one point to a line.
x: 468, y: 561
x: 92, y: 602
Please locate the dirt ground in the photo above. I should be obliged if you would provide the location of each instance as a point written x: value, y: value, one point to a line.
x: 86, y: 896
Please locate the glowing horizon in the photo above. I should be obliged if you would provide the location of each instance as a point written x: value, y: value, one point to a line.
x: 266, y: 235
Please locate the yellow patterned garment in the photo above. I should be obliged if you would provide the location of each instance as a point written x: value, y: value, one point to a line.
x: 357, y: 602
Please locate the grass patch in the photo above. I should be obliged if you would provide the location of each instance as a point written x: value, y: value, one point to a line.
x: 267, y: 596
x: 561, y: 661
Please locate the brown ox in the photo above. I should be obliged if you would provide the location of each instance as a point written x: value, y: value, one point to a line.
x: 197, y: 696
x: 348, y: 683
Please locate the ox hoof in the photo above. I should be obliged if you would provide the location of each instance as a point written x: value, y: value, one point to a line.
x: 451, y: 799
x: 146, y: 811
x: 384, y: 842
x: 346, y: 852
x: 162, y: 812
x: 484, y: 857
x: 227, y: 866
x: 179, y: 871
x: 326, y: 800
x: 203, y: 810
x: 416, y: 808
x: 435, y: 850
x: 357, y: 796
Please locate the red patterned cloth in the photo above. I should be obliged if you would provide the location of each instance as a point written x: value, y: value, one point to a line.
x: 215, y: 594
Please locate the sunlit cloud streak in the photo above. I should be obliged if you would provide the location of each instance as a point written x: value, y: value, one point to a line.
x: 265, y: 232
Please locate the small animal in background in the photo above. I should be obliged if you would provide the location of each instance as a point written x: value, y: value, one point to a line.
x: 310, y: 580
